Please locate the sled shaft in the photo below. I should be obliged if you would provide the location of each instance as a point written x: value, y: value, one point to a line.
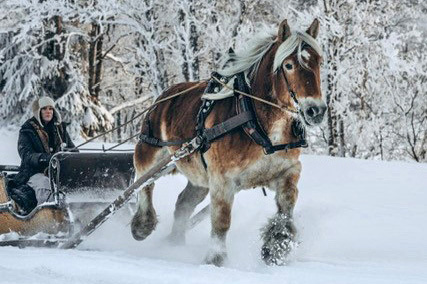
x: 199, y: 217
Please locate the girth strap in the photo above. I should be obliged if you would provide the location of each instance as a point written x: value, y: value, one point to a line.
x: 227, y: 126
x: 210, y: 134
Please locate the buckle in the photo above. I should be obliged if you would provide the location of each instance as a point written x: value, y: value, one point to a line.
x: 269, y: 150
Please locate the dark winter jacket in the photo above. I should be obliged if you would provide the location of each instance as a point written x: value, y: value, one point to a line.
x: 37, y: 144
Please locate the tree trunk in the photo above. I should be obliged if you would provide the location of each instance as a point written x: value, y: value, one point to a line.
x: 95, y: 62
x: 162, y: 80
x: 381, y: 145
x: 332, y: 130
x: 215, y: 55
x: 119, y: 130
x: 423, y: 147
x: 194, y: 38
x: 342, y: 147
x: 156, y: 71
x: 184, y: 65
x: 330, y: 101
x: 242, y: 12
x: 331, y: 95
x: 190, y: 66
x: 54, y: 50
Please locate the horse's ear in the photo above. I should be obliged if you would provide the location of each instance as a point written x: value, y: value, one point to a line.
x: 284, y: 31
x: 313, y: 30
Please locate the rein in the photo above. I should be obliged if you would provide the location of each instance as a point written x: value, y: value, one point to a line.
x: 282, y: 108
x: 291, y: 92
x: 134, y: 118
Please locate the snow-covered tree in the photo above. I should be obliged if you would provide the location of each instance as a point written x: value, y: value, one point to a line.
x: 42, y: 56
x: 102, y: 60
x: 362, y: 48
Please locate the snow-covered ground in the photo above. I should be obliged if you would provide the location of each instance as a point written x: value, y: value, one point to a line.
x: 359, y: 222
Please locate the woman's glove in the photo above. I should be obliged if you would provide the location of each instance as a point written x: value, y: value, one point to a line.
x: 44, y: 160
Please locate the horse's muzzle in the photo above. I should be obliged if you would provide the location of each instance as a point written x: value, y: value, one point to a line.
x: 313, y: 111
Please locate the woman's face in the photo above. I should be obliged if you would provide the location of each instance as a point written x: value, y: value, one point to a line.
x: 47, y: 114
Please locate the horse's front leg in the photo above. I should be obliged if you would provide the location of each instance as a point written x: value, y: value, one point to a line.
x: 279, y: 233
x: 221, y: 204
x: 145, y: 220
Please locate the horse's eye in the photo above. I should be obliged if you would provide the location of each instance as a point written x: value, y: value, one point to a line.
x: 288, y: 66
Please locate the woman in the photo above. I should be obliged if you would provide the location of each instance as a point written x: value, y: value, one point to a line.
x: 40, y: 137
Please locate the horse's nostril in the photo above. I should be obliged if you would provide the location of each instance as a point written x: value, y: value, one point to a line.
x: 312, y: 111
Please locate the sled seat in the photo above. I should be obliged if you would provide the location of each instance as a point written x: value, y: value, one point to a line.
x: 91, y: 177
x: 84, y: 172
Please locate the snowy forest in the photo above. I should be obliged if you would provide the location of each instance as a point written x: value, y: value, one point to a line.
x: 103, y: 62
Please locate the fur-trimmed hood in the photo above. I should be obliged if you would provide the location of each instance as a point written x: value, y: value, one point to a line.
x: 42, y: 102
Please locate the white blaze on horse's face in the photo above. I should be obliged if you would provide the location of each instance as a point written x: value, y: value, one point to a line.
x: 305, y: 55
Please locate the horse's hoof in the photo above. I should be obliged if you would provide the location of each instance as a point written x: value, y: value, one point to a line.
x: 143, y: 226
x: 279, y: 240
x: 266, y: 255
x: 216, y: 259
x: 271, y: 257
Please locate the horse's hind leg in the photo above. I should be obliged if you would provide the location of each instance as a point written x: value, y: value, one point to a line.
x: 145, y: 220
x: 187, y: 201
x: 279, y: 234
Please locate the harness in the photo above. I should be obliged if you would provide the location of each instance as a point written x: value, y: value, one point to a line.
x: 245, y: 118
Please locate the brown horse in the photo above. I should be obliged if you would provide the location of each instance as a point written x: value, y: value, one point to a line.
x: 281, y: 68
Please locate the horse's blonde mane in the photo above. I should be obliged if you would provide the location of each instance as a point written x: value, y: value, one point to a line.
x: 248, y: 60
x: 250, y: 57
